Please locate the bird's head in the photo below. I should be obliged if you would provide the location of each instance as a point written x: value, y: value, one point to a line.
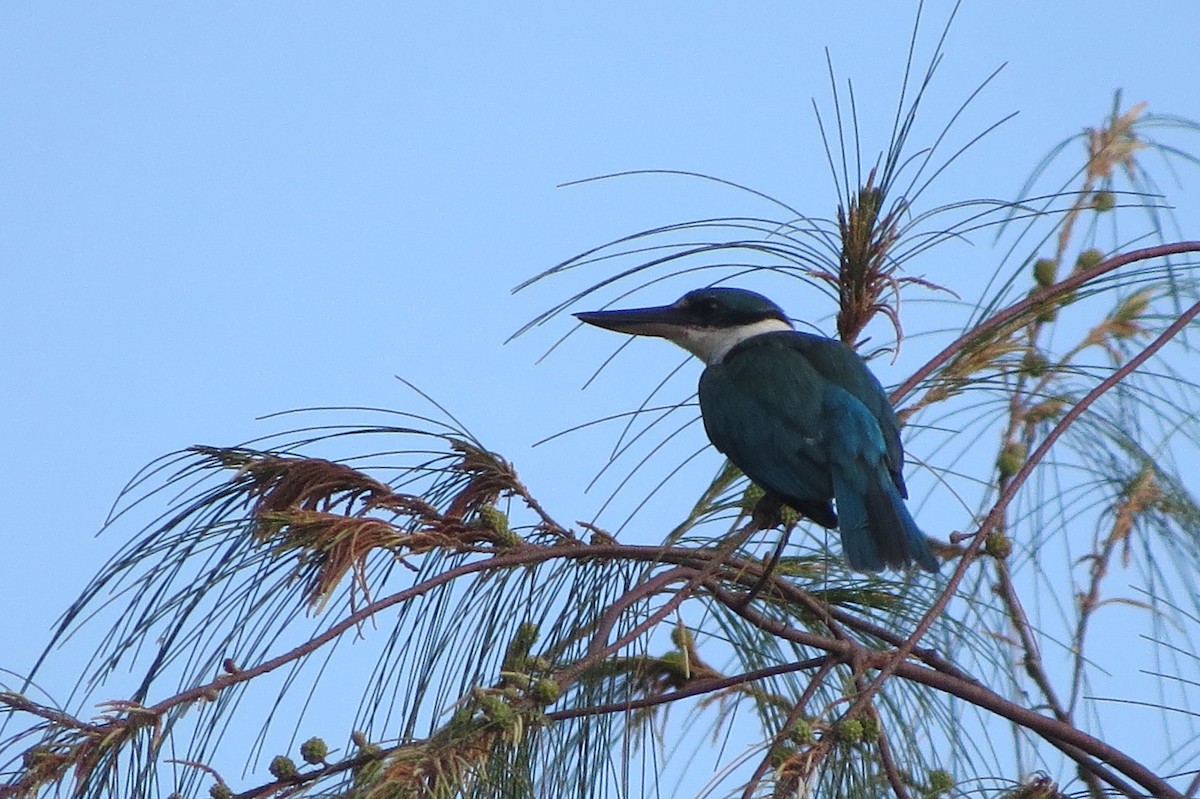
x: 706, y: 322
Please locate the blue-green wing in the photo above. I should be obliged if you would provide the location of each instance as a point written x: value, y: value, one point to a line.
x: 762, y: 407
x: 841, y: 366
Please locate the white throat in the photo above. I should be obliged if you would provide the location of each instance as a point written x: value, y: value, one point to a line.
x: 711, y: 344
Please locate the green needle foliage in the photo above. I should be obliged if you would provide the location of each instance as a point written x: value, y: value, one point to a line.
x: 391, y: 571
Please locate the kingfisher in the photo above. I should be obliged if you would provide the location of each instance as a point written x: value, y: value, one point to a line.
x: 801, y: 415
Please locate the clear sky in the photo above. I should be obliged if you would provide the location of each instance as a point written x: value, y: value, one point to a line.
x: 211, y: 212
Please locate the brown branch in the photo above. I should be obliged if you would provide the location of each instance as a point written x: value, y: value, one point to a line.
x: 598, y: 650
x: 1075, y: 412
x: 643, y: 590
x: 797, y: 710
x: 697, y: 688
x: 1035, y: 668
x: 1075, y: 743
x: 301, y: 781
x: 1035, y: 300
x: 523, y: 555
x: 19, y: 702
x: 1193, y: 786
x: 889, y: 766
x: 694, y: 689
x: 1071, y: 741
x: 1033, y: 657
x: 1022, y: 474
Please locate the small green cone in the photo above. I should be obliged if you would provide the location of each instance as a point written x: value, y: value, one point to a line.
x: 1045, y: 271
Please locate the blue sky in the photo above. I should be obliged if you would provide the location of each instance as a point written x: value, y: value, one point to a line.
x: 212, y: 212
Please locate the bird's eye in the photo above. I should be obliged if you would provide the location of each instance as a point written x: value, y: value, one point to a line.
x: 703, y: 309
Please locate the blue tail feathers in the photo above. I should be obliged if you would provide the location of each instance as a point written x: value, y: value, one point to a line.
x: 877, y: 530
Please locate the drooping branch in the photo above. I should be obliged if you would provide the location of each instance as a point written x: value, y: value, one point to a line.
x: 1034, y: 301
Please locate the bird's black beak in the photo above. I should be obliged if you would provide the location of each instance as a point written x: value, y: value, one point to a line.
x: 663, y: 321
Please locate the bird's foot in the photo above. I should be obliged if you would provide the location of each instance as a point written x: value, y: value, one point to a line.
x: 768, y: 513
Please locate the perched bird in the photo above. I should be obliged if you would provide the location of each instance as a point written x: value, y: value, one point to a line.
x: 800, y: 414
